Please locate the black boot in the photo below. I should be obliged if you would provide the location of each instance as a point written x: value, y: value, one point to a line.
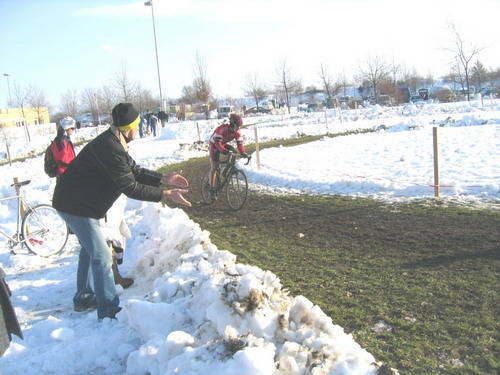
x: 125, y: 282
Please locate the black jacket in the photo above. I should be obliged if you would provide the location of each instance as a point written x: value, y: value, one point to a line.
x: 99, y: 174
x: 8, y: 320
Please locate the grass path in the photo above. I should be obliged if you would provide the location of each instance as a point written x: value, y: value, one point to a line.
x: 416, y: 284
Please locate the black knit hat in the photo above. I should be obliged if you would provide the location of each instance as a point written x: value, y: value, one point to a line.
x: 125, y: 116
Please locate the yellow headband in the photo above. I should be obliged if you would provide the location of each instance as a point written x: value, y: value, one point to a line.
x: 130, y: 126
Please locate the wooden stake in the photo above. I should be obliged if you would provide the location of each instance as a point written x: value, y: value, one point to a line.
x: 436, y: 162
x: 326, y: 122
x: 198, y: 129
x: 257, y: 146
x: 22, y: 208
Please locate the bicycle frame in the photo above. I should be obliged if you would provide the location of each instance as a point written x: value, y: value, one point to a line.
x: 222, y: 173
x: 16, y: 239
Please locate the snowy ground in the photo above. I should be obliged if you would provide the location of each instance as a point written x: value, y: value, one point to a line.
x: 193, y: 306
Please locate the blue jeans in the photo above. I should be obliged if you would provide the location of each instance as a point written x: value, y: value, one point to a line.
x: 95, y: 256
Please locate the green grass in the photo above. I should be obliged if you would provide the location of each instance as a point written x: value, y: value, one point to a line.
x: 429, y: 272
x: 435, y: 288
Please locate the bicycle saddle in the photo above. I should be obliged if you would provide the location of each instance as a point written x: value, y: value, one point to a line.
x: 22, y: 183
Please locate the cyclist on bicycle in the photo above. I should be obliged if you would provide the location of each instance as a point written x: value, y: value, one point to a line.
x: 218, y: 144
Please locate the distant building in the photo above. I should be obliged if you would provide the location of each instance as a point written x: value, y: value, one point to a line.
x: 27, y: 116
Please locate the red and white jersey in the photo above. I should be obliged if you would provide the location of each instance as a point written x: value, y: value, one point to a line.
x: 222, y: 135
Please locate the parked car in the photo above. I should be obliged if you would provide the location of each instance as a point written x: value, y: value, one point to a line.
x: 224, y: 111
x: 257, y: 110
x: 86, y: 124
x: 490, y: 90
x: 313, y: 107
x: 385, y: 100
x: 417, y: 99
x: 424, y: 93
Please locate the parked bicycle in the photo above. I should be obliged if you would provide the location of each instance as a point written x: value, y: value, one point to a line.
x: 39, y: 228
x: 230, y: 181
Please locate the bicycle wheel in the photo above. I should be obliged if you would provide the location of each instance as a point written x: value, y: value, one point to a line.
x: 236, y: 189
x: 44, y: 232
x: 205, y: 191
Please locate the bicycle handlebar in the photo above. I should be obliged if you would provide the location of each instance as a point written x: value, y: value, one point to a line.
x: 235, y: 154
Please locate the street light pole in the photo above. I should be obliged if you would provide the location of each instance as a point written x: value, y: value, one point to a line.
x: 8, y: 86
x: 150, y: 3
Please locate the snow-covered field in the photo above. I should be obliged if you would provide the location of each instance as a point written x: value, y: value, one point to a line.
x: 193, y: 309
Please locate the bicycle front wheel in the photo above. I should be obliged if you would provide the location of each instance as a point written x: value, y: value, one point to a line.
x: 236, y: 189
x: 205, y: 191
x: 45, y: 233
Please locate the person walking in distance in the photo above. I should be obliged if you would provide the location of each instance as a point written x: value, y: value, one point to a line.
x: 102, y: 171
x: 153, y: 122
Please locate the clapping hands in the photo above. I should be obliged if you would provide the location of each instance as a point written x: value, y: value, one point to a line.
x: 176, y: 179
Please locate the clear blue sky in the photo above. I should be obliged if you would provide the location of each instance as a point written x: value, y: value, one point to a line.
x: 75, y: 44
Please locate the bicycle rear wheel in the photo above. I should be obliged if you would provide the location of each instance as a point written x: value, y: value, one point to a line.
x: 236, y: 189
x: 45, y: 233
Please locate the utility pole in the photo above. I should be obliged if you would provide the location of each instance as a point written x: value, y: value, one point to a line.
x: 8, y: 86
x: 150, y: 4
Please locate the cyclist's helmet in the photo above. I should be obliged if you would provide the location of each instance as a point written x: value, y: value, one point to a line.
x: 67, y: 123
x: 235, y: 121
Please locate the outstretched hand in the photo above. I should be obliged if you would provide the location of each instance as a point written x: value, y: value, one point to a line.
x: 174, y: 179
x: 176, y: 196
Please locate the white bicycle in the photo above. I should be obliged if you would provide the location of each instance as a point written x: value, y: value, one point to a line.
x: 39, y: 228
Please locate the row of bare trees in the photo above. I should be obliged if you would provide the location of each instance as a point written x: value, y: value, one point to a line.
x: 376, y: 76
x: 29, y: 97
x: 100, y: 101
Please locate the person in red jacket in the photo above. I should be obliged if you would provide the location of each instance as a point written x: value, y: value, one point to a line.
x: 62, y: 147
x: 218, y: 144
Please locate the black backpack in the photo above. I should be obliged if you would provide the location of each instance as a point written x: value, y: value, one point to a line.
x: 49, y: 164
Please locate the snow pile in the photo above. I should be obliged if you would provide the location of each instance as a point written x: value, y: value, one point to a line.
x: 192, y: 310
x: 208, y: 314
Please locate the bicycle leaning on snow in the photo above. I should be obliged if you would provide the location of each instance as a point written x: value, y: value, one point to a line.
x: 230, y: 181
x: 39, y: 228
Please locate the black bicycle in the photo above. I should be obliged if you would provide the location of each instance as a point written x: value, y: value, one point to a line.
x: 230, y: 182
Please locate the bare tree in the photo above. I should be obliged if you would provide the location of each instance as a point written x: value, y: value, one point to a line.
x: 327, y: 82
x: 255, y: 88
x: 90, y: 100
x: 286, y: 85
x: 38, y: 101
x: 145, y: 100
x: 201, y: 84
x: 188, y: 95
x: 107, y: 99
x: 20, y: 100
x: 410, y: 78
x: 70, y: 103
x: 126, y: 89
x: 374, y: 72
x: 456, y: 77
x: 479, y: 74
x: 342, y: 83
x: 20, y: 97
x: 464, y: 54
x: 394, y: 71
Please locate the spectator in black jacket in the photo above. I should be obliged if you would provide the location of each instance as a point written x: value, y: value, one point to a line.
x: 8, y: 319
x: 93, y: 181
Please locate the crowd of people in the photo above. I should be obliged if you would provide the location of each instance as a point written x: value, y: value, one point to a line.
x: 148, y: 125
